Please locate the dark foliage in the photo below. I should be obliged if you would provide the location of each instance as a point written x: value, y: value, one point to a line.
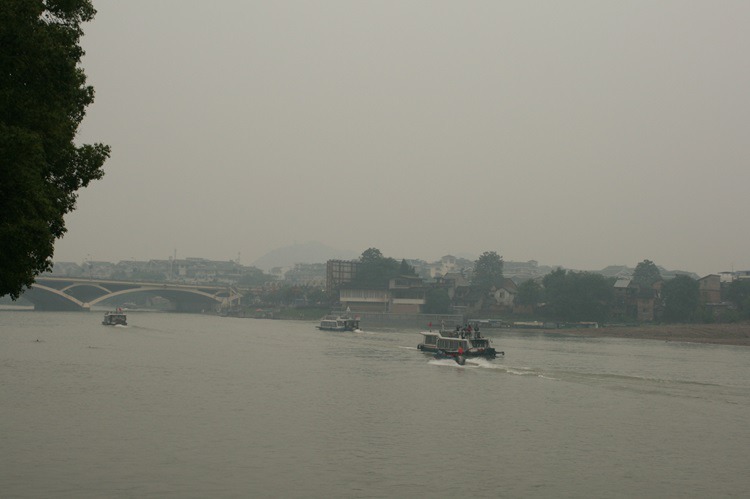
x: 488, y: 272
x: 646, y: 274
x: 681, y: 299
x: 577, y: 296
x: 437, y: 301
x: 375, y: 270
x: 529, y: 293
x: 738, y: 292
x: 43, y: 97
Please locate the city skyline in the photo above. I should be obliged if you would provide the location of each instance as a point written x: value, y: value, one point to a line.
x: 282, y: 260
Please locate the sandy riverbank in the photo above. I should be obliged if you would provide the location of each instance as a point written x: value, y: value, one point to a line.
x: 720, y: 334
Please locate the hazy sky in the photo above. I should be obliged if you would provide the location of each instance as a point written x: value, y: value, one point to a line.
x: 576, y: 133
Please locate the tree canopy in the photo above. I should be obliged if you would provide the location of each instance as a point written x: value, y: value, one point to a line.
x: 646, y: 274
x: 488, y: 271
x: 529, y: 293
x: 578, y: 296
x: 43, y: 97
x: 376, y: 270
x: 738, y: 292
x: 681, y: 299
x: 437, y: 301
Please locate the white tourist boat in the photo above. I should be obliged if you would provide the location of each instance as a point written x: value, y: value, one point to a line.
x: 117, y: 318
x: 461, y: 342
x: 339, y: 323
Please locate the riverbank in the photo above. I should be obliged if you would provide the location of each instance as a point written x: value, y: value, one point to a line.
x: 719, y: 334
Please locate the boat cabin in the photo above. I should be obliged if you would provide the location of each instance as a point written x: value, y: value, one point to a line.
x: 115, y: 319
x: 439, y: 342
x: 450, y: 343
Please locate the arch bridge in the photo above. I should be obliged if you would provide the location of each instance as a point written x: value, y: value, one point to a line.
x: 62, y: 293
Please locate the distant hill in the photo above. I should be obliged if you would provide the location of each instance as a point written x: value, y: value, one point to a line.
x: 313, y: 252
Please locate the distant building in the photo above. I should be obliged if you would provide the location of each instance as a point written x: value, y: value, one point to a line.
x: 625, y: 304
x: 448, y: 264
x: 66, y: 269
x: 505, y: 294
x: 458, y: 287
x: 407, y: 295
x: 307, y: 274
x: 443, y: 266
x: 340, y: 272
x: 710, y: 289
x: 365, y: 300
x: 632, y: 302
x: 523, y: 271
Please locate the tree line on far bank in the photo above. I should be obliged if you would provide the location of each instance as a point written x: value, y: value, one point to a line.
x: 560, y: 296
x: 566, y: 295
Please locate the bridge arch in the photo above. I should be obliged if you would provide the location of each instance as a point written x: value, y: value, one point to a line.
x: 80, y: 294
x: 47, y: 298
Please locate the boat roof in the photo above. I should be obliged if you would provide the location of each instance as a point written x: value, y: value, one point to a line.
x: 436, y: 333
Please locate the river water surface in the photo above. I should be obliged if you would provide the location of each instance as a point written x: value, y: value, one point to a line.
x: 178, y: 405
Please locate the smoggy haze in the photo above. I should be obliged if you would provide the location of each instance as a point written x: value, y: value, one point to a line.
x: 579, y: 133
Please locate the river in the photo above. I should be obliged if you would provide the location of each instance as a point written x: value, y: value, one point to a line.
x: 178, y: 405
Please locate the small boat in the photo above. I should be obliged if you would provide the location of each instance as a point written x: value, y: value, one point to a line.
x: 457, y: 344
x: 339, y: 323
x: 117, y: 318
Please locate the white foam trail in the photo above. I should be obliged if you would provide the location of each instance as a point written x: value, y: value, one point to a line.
x: 482, y: 363
x: 449, y: 363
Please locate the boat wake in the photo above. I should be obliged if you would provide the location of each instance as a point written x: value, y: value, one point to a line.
x: 482, y: 363
x: 473, y: 362
x: 451, y: 363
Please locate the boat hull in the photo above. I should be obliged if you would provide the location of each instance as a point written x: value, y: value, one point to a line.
x: 115, y: 319
x: 342, y: 329
x: 489, y: 353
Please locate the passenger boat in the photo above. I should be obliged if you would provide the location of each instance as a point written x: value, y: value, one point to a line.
x: 117, y: 318
x: 457, y: 343
x: 339, y: 323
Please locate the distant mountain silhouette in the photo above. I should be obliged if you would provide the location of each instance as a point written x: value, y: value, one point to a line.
x: 312, y: 252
